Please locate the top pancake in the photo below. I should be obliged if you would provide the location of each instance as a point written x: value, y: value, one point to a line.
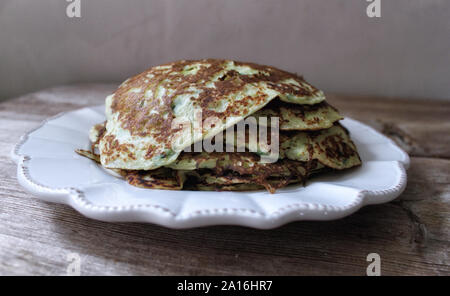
x: 141, y: 113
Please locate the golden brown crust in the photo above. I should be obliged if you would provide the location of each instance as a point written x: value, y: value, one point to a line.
x: 298, y: 112
x: 339, y: 149
x: 148, y: 110
x: 137, y: 141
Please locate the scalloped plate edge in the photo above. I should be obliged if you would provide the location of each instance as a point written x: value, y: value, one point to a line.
x: 157, y: 214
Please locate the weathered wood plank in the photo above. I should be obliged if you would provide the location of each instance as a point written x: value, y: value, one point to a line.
x: 411, y: 234
x: 419, y: 127
x: 45, y: 233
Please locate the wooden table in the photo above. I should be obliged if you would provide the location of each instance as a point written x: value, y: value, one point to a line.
x: 411, y: 234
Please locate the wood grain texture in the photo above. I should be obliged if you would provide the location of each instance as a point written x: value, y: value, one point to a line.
x: 411, y: 234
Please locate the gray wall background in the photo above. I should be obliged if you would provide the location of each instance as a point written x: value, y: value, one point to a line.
x: 405, y: 53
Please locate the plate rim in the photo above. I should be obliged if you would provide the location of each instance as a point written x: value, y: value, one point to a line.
x: 158, y: 214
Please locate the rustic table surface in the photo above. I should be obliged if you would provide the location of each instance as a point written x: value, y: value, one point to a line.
x: 411, y: 234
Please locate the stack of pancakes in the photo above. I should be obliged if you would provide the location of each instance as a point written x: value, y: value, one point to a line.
x: 152, y: 122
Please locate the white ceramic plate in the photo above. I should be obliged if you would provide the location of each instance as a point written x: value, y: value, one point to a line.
x: 50, y: 169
